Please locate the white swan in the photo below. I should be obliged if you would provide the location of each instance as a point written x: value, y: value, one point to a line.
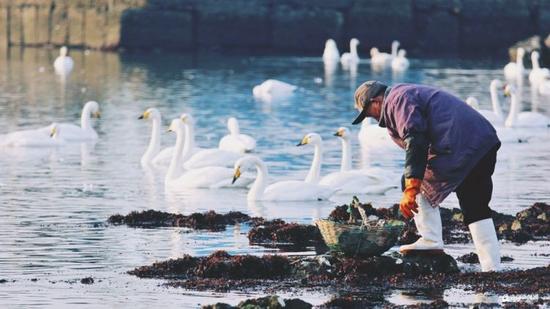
x: 494, y: 116
x: 272, y: 90
x: 154, y: 155
x: 331, y: 53
x: 235, y: 141
x: 517, y: 119
x: 33, y: 138
x: 537, y: 74
x: 73, y: 133
x: 351, y: 58
x: 63, y: 64
x: 313, y: 176
x: 364, y: 181
x: 289, y: 190
x: 379, y: 59
x: 206, y: 177
x: 400, y: 62
x: 544, y: 87
x: 515, y: 70
x: 204, y: 157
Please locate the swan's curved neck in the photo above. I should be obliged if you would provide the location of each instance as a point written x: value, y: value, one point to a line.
x: 234, y: 129
x: 315, y: 170
x: 85, y: 118
x: 394, y: 47
x: 346, y: 155
x: 189, y: 143
x: 154, y: 143
x: 519, y: 61
x: 353, y: 49
x: 535, y: 62
x: 514, y: 110
x: 258, y: 187
x: 495, y: 101
x: 175, y: 164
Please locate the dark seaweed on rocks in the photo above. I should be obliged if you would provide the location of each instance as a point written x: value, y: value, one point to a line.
x: 267, y: 302
x: 472, y: 258
x: 218, y: 265
x: 209, y: 220
x: 280, y: 232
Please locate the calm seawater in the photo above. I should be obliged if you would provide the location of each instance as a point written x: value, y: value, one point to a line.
x: 55, y: 202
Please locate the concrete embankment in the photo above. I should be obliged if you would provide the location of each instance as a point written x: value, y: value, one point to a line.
x: 431, y: 27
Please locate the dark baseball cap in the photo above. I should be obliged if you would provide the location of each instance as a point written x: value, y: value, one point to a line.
x: 364, y: 94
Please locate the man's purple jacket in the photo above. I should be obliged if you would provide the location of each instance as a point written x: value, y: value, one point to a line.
x: 458, y: 135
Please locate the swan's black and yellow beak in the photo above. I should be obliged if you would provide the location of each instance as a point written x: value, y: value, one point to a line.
x: 237, y: 174
x: 339, y: 133
x: 304, y: 141
x: 507, y: 92
x: 145, y: 115
x: 53, y: 132
x: 96, y: 115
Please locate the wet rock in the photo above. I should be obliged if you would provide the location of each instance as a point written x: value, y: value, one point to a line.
x: 209, y: 220
x: 280, y: 232
x: 357, y: 270
x: 3, y: 280
x: 267, y: 302
x: 173, y: 268
x: 472, y: 258
x: 529, y: 224
x: 356, y: 301
x: 87, y: 280
x: 417, y: 263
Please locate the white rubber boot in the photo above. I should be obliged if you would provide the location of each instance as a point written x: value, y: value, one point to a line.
x: 486, y: 243
x: 428, y: 224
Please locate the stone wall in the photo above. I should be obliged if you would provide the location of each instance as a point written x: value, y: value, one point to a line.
x: 294, y: 26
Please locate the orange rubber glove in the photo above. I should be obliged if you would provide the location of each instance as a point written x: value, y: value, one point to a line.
x: 408, y: 202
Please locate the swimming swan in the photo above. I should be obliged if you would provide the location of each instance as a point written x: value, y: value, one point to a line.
x: 194, y: 158
x: 400, y: 62
x: 537, y: 74
x: 351, y: 58
x: 63, y: 64
x: 205, y: 177
x: 517, y: 119
x: 235, y: 141
x: 33, y: 138
x: 288, y: 190
x: 515, y: 70
x: 73, y: 133
x: 153, y: 154
x: 272, y: 90
x: 347, y: 180
x: 494, y: 116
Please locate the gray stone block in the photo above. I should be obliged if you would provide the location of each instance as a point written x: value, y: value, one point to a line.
x: 305, y: 29
x: 94, y: 28
x: 112, y: 28
x: 35, y: 21
x: 4, y: 35
x: 59, y: 32
x: 437, y: 26
x: 142, y: 28
x: 16, y: 26
x: 76, y: 26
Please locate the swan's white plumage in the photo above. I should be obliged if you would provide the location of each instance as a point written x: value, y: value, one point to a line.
x: 494, y: 116
x: 205, y: 157
x: 537, y: 74
x: 517, y: 119
x: 63, y: 64
x: 400, y: 62
x: 347, y: 180
x: 371, y: 135
x: 235, y: 141
x: 207, y: 177
x: 73, y: 133
x: 331, y: 53
x: 32, y: 138
x: 515, y: 70
x: 289, y: 190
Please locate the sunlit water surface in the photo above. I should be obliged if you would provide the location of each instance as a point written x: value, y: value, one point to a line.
x: 55, y: 202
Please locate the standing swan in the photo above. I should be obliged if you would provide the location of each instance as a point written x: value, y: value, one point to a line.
x: 63, y: 64
x: 153, y: 154
x: 289, y: 190
x: 351, y: 58
x: 207, y: 177
x: 203, y: 157
x: 236, y: 141
x: 331, y: 53
x: 73, y: 133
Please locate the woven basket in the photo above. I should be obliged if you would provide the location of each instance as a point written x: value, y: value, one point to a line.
x: 360, y: 240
